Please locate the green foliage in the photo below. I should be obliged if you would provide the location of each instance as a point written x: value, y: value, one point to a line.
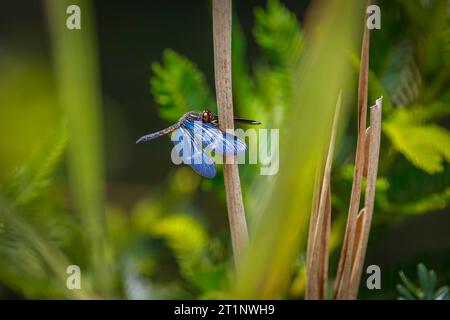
x: 165, y: 246
x: 415, y: 105
x: 280, y: 38
x: 32, y: 227
x: 187, y: 239
x: 314, y: 90
x: 194, y: 251
x: 25, y: 188
x: 427, y: 23
x: 425, y: 145
x: 244, y: 87
x: 278, y: 34
x: 30, y: 178
x: 80, y: 98
x: 265, y: 94
x: 414, y: 174
x: 403, y: 65
x: 178, y: 87
x: 426, y: 290
x: 401, y: 76
x: 162, y: 244
x: 28, y: 107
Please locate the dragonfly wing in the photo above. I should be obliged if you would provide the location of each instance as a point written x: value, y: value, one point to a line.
x: 191, y: 153
x: 199, y: 132
x: 214, y: 139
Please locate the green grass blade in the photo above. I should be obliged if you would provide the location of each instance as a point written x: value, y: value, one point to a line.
x: 75, y: 56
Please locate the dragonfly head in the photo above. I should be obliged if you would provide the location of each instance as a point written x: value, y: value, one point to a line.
x: 207, y: 116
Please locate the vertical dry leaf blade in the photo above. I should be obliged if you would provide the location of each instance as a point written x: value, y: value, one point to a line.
x: 345, y: 262
x: 317, y: 254
x: 372, y: 170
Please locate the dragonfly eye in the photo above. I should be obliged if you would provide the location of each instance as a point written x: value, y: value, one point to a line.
x: 207, y: 116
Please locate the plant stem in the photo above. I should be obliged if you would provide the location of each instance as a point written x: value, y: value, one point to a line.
x: 319, y: 232
x: 372, y: 168
x: 345, y: 262
x: 222, y: 71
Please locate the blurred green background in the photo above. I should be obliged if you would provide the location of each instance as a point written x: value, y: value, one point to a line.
x: 75, y: 189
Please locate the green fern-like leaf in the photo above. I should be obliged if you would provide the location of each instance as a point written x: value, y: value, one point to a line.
x: 418, y: 115
x: 30, y: 178
x: 277, y: 32
x: 187, y: 239
x: 436, y: 201
x: 26, y: 188
x: 178, y: 86
x: 32, y: 227
x: 425, y: 145
x: 401, y: 77
x: 29, y: 257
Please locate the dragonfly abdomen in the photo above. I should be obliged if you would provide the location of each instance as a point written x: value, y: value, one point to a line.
x: 157, y: 134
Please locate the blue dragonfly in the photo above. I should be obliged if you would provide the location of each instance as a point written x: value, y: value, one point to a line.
x: 196, y: 132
